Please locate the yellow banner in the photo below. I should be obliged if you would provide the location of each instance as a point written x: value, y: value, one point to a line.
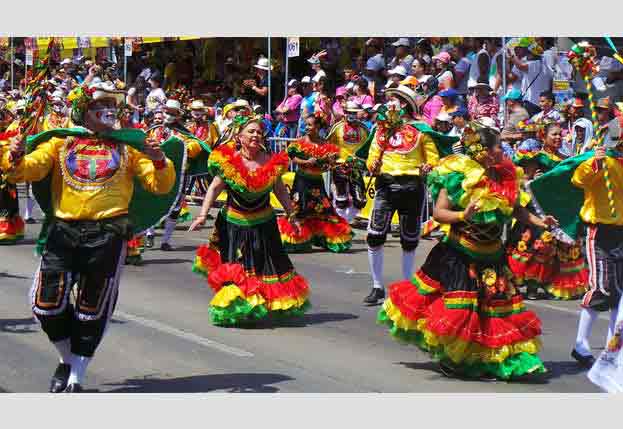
x: 100, y: 42
x: 42, y: 44
x: 189, y: 38
x: 69, y: 43
x: 151, y: 39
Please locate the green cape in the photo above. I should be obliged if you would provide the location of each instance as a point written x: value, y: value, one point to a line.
x: 197, y: 166
x: 554, y: 194
x: 443, y: 142
x: 145, y: 209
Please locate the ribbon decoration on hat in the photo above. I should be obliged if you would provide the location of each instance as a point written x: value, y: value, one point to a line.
x: 582, y: 56
x: 35, y: 96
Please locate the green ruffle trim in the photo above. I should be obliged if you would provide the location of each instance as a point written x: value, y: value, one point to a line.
x: 514, y: 366
x: 453, y: 184
x: 298, y: 247
x: 186, y: 217
x: 540, y: 158
x: 11, y: 241
x: 240, y: 313
x: 333, y: 247
x: 134, y: 260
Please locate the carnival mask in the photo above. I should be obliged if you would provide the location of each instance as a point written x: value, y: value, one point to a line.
x: 107, y: 116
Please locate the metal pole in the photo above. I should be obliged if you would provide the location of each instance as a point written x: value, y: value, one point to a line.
x: 286, y: 76
x: 270, y: 66
x: 504, y: 80
x: 125, y: 65
x: 12, y: 63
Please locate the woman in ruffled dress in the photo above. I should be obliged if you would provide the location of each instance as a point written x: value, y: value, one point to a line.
x: 461, y: 305
x: 535, y: 257
x: 320, y: 225
x: 245, y: 262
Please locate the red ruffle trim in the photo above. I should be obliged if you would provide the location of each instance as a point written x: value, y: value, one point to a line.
x: 334, y: 226
x: 466, y: 324
x: 222, y: 274
x: 539, y: 272
x: 516, y: 266
x: 409, y: 301
x: 12, y: 226
x: 227, y: 274
x: 261, y: 176
x: 507, y: 186
x: 209, y: 257
x: 303, y: 234
x: 314, y: 150
x: 571, y: 280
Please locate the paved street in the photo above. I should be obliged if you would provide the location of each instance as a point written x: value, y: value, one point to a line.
x: 161, y: 339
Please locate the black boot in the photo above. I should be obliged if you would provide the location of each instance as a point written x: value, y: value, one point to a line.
x: 584, y: 361
x: 149, y: 241
x: 375, y: 295
x: 532, y: 293
x: 60, y: 377
x: 74, y: 388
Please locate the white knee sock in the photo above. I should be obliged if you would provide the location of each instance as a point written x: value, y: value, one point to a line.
x: 78, y: 369
x: 30, y: 205
x: 343, y: 213
x: 169, y: 227
x: 613, y: 319
x: 64, y: 350
x: 375, y: 257
x: 587, y: 318
x: 408, y: 259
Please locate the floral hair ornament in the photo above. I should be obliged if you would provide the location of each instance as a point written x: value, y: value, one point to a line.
x: 472, y: 143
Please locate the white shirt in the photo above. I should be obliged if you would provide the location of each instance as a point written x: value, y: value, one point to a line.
x: 534, y: 81
x: 445, y: 79
x: 474, y: 71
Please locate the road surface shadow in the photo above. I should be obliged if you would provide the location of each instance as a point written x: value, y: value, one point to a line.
x: 164, y: 261
x: 308, y: 319
x: 19, y: 326
x: 231, y: 383
x: 433, y: 367
x: 557, y: 369
x: 26, y: 242
x: 13, y: 276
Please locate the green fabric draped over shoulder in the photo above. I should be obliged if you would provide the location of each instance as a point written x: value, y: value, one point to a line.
x: 145, y: 209
x: 554, y: 194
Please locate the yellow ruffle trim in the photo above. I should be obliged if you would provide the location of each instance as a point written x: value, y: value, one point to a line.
x: 286, y: 303
x: 288, y: 239
x: 458, y: 350
x: 227, y: 294
x: 567, y: 293
x: 474, y: 173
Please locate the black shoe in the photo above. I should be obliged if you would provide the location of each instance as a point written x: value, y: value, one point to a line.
x: 60, y: 377
x: 149, y: 241
x: 74, y: 388
x: 166, y: 247
x: 447, y: 370
x: 584, y: 361
x: 30, y: 221
x: 532, y: 293
x: 375, y: 295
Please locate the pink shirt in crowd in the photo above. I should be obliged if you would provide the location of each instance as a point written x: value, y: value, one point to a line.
x: 293, y: 105
x: 363, y: 100
x: 431, y: 109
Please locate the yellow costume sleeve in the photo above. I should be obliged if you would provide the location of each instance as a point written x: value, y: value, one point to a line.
x: 586, y: 175
x: 156, y: 181
x: 374, y: 153
x: 34, y: 166
x: 431, y: 155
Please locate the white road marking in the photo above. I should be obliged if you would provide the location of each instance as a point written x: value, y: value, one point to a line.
x: 602, y: 316
x: 188, y: 336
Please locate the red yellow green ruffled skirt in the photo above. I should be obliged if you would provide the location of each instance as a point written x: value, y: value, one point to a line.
x: 571, y: 278
x: 332, y: 233
x: 243, y: 297
x: 11, y: 229
x: 467, y: 315
x: 135, y: 249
